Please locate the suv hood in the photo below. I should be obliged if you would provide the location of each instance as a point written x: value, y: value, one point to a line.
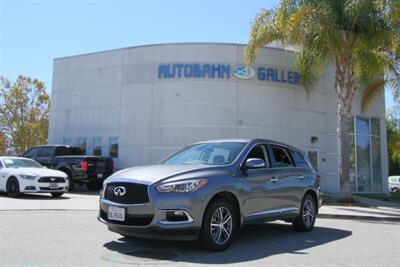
x: 153, y: 173
x: 38, y: 172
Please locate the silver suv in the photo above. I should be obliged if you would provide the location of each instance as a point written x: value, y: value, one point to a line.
x: 208, y: 190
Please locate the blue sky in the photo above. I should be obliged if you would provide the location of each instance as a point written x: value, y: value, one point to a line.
x: 34, y: 32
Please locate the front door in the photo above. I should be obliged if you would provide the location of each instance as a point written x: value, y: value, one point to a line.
x: 259, y: 192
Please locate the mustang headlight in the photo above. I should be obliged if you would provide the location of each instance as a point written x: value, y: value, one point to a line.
x: 182, y: 186
x: 29, y: 177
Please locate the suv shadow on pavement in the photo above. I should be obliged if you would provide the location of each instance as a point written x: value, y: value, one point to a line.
x: 251, y: 243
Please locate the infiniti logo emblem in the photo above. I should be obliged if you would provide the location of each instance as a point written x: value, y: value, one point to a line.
x: 244, y: 72
x: 119, y: 191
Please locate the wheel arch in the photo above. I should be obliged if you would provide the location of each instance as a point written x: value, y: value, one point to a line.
x: 313, y: 195
x: 229, y: 196
x: 8, y: 180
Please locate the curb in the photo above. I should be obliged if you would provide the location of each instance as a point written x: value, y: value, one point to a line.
x: 359, y: 218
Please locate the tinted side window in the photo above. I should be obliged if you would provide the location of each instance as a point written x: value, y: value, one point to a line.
x: 258, y: 152
x: 68, y: 151
x: 282, y: 158
x: 299, y: 159
x: 31, y: 153
x: 45, y: 152
x: 1, y: 165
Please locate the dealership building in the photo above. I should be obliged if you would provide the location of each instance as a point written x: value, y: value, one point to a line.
x: 140, y: 104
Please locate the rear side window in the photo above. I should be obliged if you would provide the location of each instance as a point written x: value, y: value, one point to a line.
x: 68, y: 151
x: 299, y: 159
x: 282, y: 158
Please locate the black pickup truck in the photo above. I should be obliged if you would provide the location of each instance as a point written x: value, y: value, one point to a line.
x: 81, y: 169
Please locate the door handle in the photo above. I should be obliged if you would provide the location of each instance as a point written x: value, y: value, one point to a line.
x: 274, y: 179
x: 301, y: 177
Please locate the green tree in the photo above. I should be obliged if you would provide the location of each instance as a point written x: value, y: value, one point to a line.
x: 24, y: 112
x: 362, y: 39
x: 393, y: 141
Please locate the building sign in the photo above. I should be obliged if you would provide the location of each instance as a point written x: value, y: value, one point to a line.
x: 226, y: 71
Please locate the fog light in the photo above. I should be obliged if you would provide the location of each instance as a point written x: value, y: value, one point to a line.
x: 177, y: 216
x: 30, y: 188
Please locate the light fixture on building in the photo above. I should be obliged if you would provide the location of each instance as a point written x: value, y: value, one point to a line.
x: 314, y: 139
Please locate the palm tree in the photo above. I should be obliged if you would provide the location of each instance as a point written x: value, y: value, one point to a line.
x: 362, y: 39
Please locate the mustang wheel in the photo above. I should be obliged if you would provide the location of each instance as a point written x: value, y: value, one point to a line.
x: 13, y: 188
x: 306, y: 220
x: 219, y: 226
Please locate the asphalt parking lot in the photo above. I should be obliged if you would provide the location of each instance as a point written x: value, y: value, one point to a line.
x: 37, y: 230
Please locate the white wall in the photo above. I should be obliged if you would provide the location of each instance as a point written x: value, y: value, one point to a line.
x: 118, y: 93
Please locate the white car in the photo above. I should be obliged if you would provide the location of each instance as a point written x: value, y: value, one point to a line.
x: 394, y: 183
x: 22, y: 175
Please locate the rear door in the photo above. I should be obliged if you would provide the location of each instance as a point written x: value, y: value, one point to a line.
x: 287, y: 181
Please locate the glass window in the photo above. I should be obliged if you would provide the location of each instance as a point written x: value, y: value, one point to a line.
x: 113, y: 148
x: 31, y: 153
x: 68, y: 151
x: 375, y: 127
x: 219, y: 155
x: 81, y: 143
x: 299, y: 159
x: 21, y: 163
x: 46, y: 152
x: 376, y: 164
x: 282, y: 158
x: 362, y: 125
x: 67, y: 141
x: 97, y: 145
x: 256, y: 152
x: 363, y: 163
x: 207, y: 153
x: 313, y: 156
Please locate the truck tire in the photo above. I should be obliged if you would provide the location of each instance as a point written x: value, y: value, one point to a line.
x: 94, y: 186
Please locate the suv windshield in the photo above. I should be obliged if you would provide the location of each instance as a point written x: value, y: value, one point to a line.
x: 207, y: 153
x: 21, y: 163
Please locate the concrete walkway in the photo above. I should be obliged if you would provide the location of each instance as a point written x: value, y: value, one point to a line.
x: 360, y: 213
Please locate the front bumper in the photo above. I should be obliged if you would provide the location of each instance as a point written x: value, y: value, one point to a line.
x: 149, y: 220
x: 32, y: 186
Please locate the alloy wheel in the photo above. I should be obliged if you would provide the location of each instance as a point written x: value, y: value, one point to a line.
x: 308, y: 212
x: 221, y: 225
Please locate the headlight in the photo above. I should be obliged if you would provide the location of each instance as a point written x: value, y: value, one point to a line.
x: 182, y: 186
x: 30, y: 177
x: 102, y: 191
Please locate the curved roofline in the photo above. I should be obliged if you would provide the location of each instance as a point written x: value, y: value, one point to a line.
x: 165, y: 44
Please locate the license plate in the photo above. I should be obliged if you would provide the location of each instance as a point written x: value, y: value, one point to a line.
x: 116, y: 214
x: 53, y: 186
x: 99, y: 175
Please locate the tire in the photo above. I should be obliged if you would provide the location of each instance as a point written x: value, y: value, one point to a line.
x: 215, y: 238
x: 57, y: 194
x: 306, y: 219
x: 94, y: 186
x: 13, y: 187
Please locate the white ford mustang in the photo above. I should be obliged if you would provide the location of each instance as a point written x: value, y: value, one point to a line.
x: 22, y: 175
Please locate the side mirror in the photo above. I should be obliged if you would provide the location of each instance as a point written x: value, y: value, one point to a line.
x: 254, y: 163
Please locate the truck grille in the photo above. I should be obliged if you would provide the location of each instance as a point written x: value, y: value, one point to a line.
x: 51, y: 180
x: 134, y: 193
